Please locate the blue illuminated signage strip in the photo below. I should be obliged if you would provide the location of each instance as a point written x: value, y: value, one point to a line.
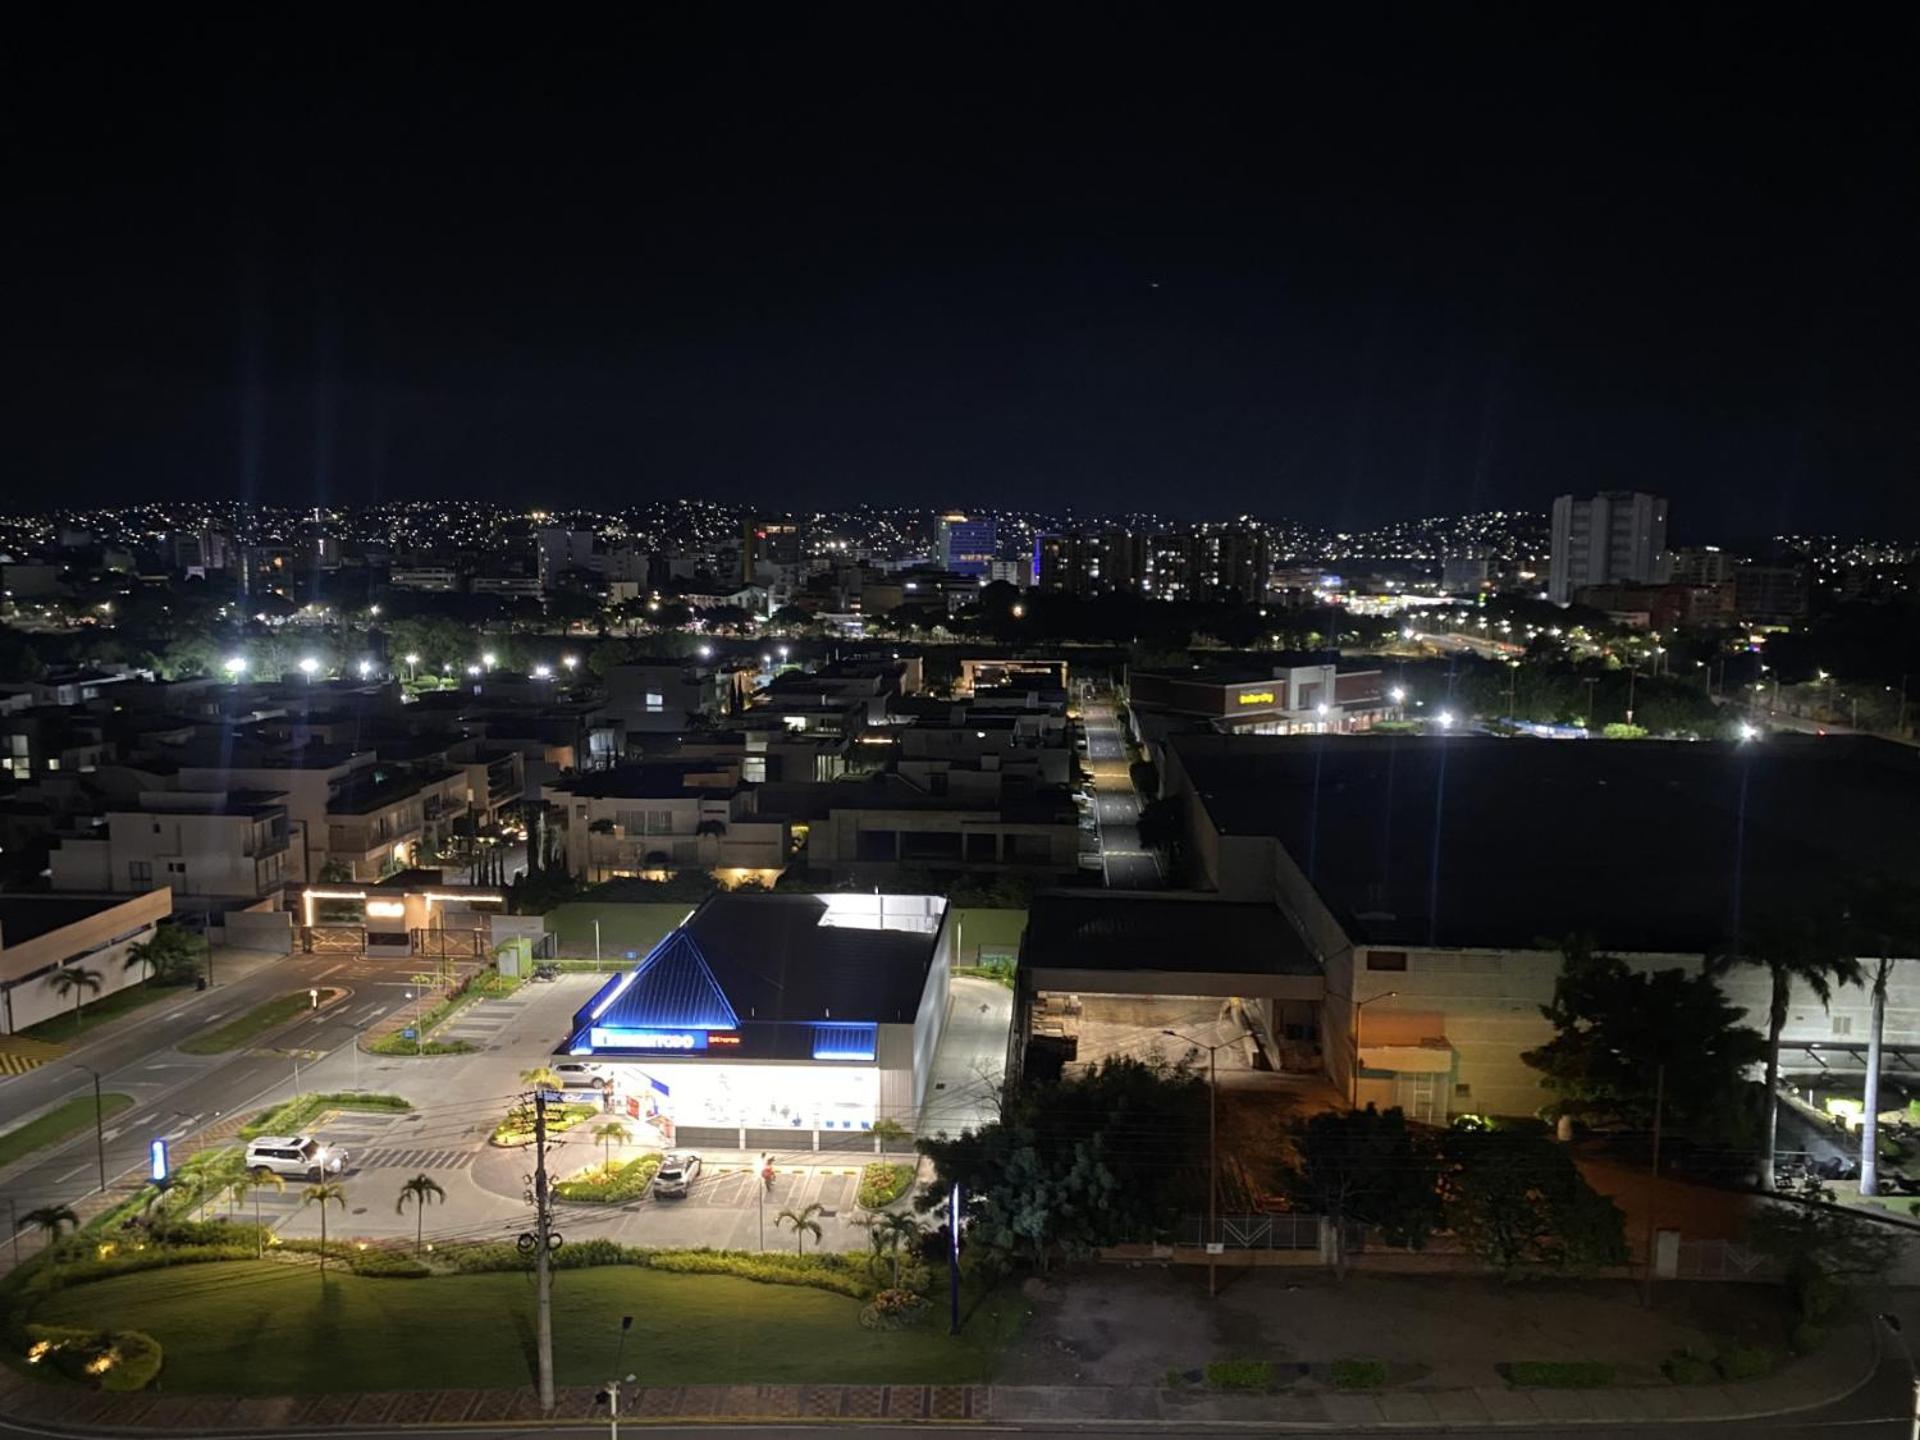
x: 845, y: 1042
x: 613, y: 1037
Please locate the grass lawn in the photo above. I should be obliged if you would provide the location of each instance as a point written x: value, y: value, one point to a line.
x: 265, y: 1328
x: 622, y: 927
x: 66, y: 1026
x: 57, y: 1124
x: 250, y: 1026
x: 996, y: 929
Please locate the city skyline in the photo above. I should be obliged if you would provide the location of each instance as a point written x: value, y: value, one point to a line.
x: 1345, y: 272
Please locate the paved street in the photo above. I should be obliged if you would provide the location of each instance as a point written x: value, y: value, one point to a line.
x: 1116, y: 805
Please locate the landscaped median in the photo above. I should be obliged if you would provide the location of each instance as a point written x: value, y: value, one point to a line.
x: 381, y: 1319
x: 245, y: 1029
x: 292, y: 1117
x: 484, y: 985
x: 518, y: 1128
x: 883, y: 1182
x: 610, y: 1184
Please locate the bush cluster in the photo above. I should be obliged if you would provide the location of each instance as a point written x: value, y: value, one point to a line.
x: 517, y: 1128
x: 123, y: 1360
x: 893, y: 1310
x: 629, y: 1182
x: 882, y: 1183
x: 1559, y: 1374
x: 1240, y: 1374
x: 1359, y: 1374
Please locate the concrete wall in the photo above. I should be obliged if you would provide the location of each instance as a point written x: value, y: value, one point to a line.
x: 97, y: 943
x: 268, y: 930
x: 930, y: 1021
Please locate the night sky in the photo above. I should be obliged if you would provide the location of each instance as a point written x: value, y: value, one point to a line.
x: 1346, y: 266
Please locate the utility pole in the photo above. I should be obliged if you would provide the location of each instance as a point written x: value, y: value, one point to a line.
x: 1633, y: 674
x: 99, y: 1130
x: 542, y: 1260
x: 612, y: 1394
x: 1653, y: 1189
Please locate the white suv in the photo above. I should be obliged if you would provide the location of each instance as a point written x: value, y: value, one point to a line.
x: 298, y: 1155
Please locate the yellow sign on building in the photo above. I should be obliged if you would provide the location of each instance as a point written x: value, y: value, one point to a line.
x: 1255, y: 697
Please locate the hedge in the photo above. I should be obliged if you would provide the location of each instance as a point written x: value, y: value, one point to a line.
x: 517, y: 1128
x: 132, y: 1357
x: 1683, y: 1367
x: 1240, y: 1374
x: 882, y: 1183
x: 289, y: 1117
x: 629, y: 1182
x: 1559, y: 1374
x: 1359, y: 1374
x: 1745, y: 1362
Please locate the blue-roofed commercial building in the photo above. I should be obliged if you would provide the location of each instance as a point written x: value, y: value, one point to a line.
x: 777, y: 1021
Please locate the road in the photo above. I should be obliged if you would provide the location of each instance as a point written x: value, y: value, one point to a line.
x: 175, y: 1095
x: 1124, y: 864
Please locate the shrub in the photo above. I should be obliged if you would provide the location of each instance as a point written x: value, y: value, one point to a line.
x: 388, y: 1265
x: 1745, y: 1362
x: 138, y: 1361
x: 483, y: 1259
x: 584, y: 1254
x: 841, y: 1274
x: 398, y: 1044
x: 893, y: 1310
x: 1359, y: 1374
x: 292, y: 1116
x: 882, y: 1183
x: 1808, y: 1337
x: 629, y: 1182
x: 1683, y: 1367
x: 517, y: 1128
x: 1559, y: 1374
x: 1240, y: 1374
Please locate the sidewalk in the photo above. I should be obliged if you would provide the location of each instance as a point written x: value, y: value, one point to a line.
x: 1795, y: 1390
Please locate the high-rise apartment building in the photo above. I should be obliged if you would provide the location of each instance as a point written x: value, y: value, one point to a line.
x: 966, y: 546
x: 772, y: 542
x: 1619, y: 536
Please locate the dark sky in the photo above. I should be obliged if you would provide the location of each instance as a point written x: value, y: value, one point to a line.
x: 1349, y: 266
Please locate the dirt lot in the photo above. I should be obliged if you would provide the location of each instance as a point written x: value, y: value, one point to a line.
x: 1110, y: 1325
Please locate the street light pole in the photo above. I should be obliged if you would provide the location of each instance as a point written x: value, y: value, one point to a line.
x: 99, y: 1124
x: 1653, y: 1188
x: 1213, y: 1147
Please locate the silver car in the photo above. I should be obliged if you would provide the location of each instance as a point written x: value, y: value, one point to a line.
x: 678, y: 1170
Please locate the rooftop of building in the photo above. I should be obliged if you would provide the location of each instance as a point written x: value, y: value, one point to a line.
x: 28, y: 917
x: 1651, y: 846
x: 375, y: 788
x: 1188, y: 934
x: 650, y: 780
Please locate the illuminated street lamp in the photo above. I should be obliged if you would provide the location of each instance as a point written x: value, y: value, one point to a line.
x: 706, y: 652
x: 543, y: 672
x: 489, y: 660
x: 1446, y: 719
x: 473, y: 669
x: 1748, y: 731
x: 235, y: 667
x: 1398, y: 694
x: 308, y: 666
x: 570, y: 661
x: 366, y: 669
x: 412, y: 660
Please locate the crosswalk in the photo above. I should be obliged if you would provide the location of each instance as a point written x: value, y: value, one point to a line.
x: 390, y: 1158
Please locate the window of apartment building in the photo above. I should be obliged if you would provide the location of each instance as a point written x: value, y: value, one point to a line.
x: 656, y: 702
x: 659, y: 822
x: 753, y: 769
x: 140, y: 872
x: 176, y: 867
x: 1386, y: 960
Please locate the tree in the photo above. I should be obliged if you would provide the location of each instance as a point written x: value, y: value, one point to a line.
x: 803, y: 1224
x: 1162, y: 823
x: 610, y: 1134
x: 542, y: 1077
x: 254, y: 1182
x: 1799, y: 947
x: 889, y: 1232
x: 226, y: 1174
x: 169, y: 958
x: 1821, y: 1250
x: 887, y: 1132
x: 1064, y: 1170
x: 323, y: 1194
x: 1368, y: 1166
x: 1514, y: 1197
x: 51, y: 1221
x: 75, y: 980
x: 1614, y: 1030
x: 421, y: 1191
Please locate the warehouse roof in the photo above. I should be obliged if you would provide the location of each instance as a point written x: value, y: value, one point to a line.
x: 1645, y: 845
x: 1189, y: 934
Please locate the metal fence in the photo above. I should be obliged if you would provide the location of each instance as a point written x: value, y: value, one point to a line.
x: 1723, y: 1260
x: 1287, y: 1231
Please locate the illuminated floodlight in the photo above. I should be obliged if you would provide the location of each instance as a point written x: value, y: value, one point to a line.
x: 308, y: 666
x: 569, y: 661
x: 489, y: 660
x: 1749, y: 731
x: 1398, y: 694
x: 235, y: 666
x: 542, y: 672
x: 473, y: 669
x: 1446, y: 719
x: 706, y: 652
x: 366, y: 669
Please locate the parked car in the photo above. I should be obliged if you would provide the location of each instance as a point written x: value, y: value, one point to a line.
x: 678, y: 1170
x: 582, y: 1075
x: 301, y: 1156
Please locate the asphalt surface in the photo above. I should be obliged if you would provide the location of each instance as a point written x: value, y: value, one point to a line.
x: 175, y: 1095
x: 1124, y: 864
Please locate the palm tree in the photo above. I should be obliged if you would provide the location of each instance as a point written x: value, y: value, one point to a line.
x: 75, y: 980
x: 1887, y: 917
x: 226, y: 1174
x: 423, y: 1190
x: 251, y: 1184
x: 888, y: 1231
x: 51, y: 1220
x: 609, y: 1135
x: 803, y: 1225
x: 542, y: 1077
x: 1805, y: 949
x: 323, y: 1194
